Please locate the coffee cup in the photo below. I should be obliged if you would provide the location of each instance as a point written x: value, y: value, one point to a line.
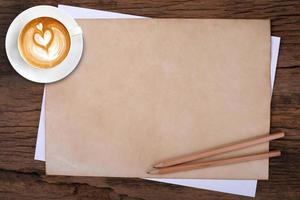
x: 44, y: 44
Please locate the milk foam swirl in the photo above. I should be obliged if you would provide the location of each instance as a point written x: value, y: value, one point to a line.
x: 44, y: 42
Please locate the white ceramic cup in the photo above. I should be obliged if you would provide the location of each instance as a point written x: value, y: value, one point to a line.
x: 39, y: 74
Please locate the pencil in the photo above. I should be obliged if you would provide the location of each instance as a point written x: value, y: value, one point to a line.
x: 220, y: 150
x: 200, y: 165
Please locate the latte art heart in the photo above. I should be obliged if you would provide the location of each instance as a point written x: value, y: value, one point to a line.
x: 44, y: 42
x: 40, y: 26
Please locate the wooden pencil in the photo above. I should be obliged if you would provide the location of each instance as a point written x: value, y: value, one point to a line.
x: 220, y: 150
x: 192, y: 166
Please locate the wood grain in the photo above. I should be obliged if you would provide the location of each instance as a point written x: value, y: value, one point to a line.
x: 20, y: 100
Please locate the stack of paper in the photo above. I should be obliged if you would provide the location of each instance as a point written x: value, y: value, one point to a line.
x: 170, y: 181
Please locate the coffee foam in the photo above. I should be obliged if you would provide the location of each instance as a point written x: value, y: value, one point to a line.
x: 44, y: 42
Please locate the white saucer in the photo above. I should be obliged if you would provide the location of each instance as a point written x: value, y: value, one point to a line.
x: 44, y: 75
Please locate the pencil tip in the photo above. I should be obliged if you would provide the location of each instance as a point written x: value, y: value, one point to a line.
x: 153, y: 171
x: 159, y: 165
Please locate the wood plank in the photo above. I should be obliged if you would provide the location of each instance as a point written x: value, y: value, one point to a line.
x: 23, y: 178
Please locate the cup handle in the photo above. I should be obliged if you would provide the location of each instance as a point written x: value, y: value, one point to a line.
x: 75, y: 31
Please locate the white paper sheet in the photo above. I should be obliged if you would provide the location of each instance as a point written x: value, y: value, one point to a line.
x: 275, y: 43
x: 239, y: 187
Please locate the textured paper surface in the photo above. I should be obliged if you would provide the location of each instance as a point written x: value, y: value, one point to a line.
x: 151, y: 95
x: 241, y: 187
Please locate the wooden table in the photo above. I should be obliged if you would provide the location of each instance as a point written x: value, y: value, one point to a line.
x: 20, y: 101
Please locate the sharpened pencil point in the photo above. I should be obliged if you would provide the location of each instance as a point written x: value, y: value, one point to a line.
x: 153, y: 171
x: 159, y: 165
